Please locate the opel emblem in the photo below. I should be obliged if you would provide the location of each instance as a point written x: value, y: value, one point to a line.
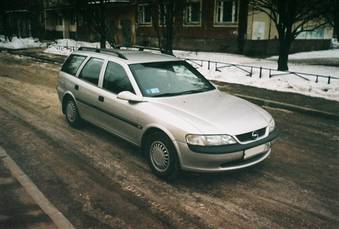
x: 255, y: 135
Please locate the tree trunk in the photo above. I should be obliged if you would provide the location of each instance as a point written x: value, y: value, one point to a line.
x: 102, y: 41
x: 284, y: 49
x: 169, y: 29
x: 336, y: 26
x: 336, y: 19
x: 102, y: 25
x: 242, y: 29
x: 156, y: 20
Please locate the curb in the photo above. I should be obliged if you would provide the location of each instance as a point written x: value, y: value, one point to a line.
x: 46, y: 206
x: 291, y: 107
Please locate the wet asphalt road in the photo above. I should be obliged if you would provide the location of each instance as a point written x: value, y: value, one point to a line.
x: 99, y: 181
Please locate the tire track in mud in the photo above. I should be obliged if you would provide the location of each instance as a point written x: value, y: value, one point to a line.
x: 77, y: 177
x: 83, y: 162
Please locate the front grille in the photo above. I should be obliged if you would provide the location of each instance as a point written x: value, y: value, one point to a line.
x: 253, y: 135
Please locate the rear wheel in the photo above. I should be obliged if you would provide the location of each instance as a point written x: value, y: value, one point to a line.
x: 162, y: 156
x: 72, y: 114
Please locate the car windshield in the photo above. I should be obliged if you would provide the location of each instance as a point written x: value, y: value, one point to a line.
x: 161, y: 79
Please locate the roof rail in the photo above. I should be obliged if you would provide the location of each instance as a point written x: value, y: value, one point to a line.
x: 142, y: 48
x: 119, y: 54
x: 101, y: 50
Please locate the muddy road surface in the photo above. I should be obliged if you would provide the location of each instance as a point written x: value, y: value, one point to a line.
x: 99, y: 181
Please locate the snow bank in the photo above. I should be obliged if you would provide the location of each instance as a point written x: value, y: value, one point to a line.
x: 331, y: 53
x: 335, y: 43
x: 67, y: 46
x: 287, y: 83
x: 20, y: 43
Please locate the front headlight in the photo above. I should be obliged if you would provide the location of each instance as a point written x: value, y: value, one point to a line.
x: 210, y: 140
x: 271, y: 125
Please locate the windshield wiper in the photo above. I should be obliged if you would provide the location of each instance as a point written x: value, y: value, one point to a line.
x: 193, y: 91
x: 167, y: 94
x: 180, y: 93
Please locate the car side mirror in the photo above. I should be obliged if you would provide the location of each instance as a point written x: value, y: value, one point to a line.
x: 129, y: 96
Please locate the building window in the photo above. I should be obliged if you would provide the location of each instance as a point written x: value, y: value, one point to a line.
x: 144, y: 14
x: 193, y: 12
x: 226, y: 11
x: 318, y: 33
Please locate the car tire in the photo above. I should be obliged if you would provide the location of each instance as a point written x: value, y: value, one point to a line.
x: 162, y: 156
x: 72, y: 114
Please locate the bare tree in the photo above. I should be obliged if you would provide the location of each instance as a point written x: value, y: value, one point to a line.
x: 166, y: 15
x: 95, y: 15
x: 291, y: 17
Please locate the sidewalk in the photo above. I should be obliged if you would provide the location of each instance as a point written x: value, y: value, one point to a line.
x: 17, y: 208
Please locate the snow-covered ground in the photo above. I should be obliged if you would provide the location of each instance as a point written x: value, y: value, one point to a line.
x: 335, y: 43
x: 20, y: 43
x: 330, y: 53
x: 288, y: 83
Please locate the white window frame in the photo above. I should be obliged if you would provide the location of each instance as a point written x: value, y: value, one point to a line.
x: 141, y: 15
x: 218, y: 18
x: 188, y: 11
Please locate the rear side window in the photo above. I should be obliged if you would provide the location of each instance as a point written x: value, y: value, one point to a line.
x: 72, y: 64
x: 116, y: 79
x: 91, y: 71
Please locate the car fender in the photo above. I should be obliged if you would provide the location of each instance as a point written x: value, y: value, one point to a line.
x: 167, y: 132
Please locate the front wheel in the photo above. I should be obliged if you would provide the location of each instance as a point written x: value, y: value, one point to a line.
x: 162, y: 156
x: 72, y: 114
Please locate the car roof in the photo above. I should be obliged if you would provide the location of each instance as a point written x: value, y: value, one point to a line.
x: 127, y: 56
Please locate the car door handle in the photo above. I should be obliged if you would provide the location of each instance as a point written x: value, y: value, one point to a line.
x: 76, y: 87
x: 101, y: 98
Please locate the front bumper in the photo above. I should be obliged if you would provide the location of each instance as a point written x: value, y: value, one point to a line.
x: 224, y: 158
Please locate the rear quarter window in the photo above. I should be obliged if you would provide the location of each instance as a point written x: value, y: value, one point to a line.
x: 91, y: 71
x: 72, y: 64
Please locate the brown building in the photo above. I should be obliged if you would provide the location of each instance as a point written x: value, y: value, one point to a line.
x: 201, y: 25
x: 64, y: 20
x: 21, y: 18
x: 207, y: 25
x: 226, y: 26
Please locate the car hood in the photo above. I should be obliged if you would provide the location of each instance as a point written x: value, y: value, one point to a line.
x: 215, y: 112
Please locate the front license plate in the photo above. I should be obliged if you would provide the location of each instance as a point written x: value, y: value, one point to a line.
x: 256, y: 150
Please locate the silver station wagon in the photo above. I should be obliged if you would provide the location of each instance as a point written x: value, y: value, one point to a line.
x: 165, y: 106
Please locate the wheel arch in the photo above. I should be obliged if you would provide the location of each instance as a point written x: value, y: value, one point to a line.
x: 154, y: 128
